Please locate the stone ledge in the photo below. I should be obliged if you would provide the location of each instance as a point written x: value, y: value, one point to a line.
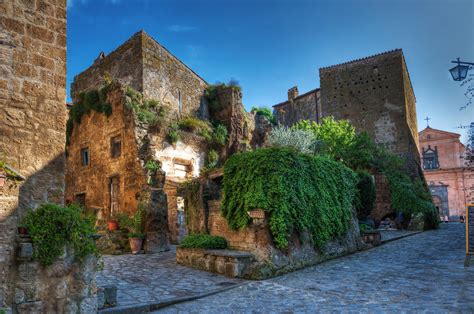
x: 229, y: 253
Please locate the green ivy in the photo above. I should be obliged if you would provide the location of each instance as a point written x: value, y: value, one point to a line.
x: 299, y: 192
x: 53, y: 227
x: 365, y: 199
x: 95, y: 99
x: 203, y: 241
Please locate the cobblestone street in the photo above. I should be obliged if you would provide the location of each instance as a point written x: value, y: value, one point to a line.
x: 420, y: 272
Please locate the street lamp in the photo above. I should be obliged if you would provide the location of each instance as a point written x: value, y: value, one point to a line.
x: 459, y: 72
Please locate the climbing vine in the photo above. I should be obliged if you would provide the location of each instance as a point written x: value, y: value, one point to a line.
x: 53, y: 227
x: 299, y: 192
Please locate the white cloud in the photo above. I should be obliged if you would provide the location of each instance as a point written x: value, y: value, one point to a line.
x: 181, y: 28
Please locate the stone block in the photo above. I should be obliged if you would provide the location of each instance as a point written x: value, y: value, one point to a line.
x: 35, y: 307
x: 25, y: 251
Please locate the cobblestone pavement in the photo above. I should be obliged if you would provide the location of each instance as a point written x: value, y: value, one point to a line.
x: 420, y: 273
x: 155, y: 278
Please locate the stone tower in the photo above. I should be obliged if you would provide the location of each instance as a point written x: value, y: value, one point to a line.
x: 375, y: 94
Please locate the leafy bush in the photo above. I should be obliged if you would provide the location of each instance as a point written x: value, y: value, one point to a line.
x: 300, y: 140
x: 148, y: 111
x: 264, y: 111
x: 152, y: 165
x: 336, y: 137
x: 134, y: 223
x: 193, y: 124
x: 212, y: 159
x: 173, y: 133
x: 52, y: 227
x: 203, y: 241
x: 364, y: 228
x: 219, y: 136
x: 365, y: 199
x: 298, y: 191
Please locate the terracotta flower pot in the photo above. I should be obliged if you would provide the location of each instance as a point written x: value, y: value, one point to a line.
x: 22, y: 231
x: 112, y: 225
x: 135, y: 244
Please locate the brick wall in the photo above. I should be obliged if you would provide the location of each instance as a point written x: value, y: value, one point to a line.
x: 32, y: 115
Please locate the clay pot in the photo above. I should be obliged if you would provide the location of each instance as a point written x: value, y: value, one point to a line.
x: 3, y: 178
x: 135, y: 244
x: 112, y: 225
x: 22, y: 231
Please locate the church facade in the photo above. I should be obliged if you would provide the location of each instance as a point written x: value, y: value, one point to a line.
x: 451, y: 184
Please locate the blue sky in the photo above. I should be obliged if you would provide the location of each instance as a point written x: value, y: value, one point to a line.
x: 270, y: 46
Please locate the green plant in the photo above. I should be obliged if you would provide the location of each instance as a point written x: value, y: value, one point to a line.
x: 152, y: 165
x: 203, y: 241
x: 95, y: 99
x: 365, y: 228
x: 147, y: 110
x: 134, y: 223
x: 212, y: 159
x: 365, y: 199
x: 300, y: 193
x: 193, y: 124
x: 266, y: 112
x: 173, y: 133
x: 302, y: 141
x: 53, y: 227
x: 219, y: 135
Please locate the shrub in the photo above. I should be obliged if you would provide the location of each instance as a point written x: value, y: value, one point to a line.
x: 193, y: 124
x: 52, y: 227
x: 152, y: 165
x: 219, y: 135
x: 300, y: 140
x: 148, y: 111
x: 266, y: 112
x: 173, y: 133
x: 364, y: 228
x: 365, y: 199
x: 298, y: 191
x: 203, y: 241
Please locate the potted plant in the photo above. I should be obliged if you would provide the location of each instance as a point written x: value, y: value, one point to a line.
x: 134, y: 225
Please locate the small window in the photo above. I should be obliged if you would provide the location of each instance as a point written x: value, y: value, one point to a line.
x: 80, y: 199
x: 85, y: 156
x: 116, y: 146
x: 180, y: 104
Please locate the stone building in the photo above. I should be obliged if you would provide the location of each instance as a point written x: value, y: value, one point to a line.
x: 107, y: 154
x: 33, y: 118
x: 374, y: 94
x: 450, y: 182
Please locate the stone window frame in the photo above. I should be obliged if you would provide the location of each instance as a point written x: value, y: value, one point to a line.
x: 85, y: 148
x: 184, y: 162
x: 80, y: 195
x: 113, y: 135
x: 116, y: 147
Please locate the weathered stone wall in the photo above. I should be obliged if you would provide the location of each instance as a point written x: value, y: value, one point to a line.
x: 271, y: 261
x: 376, y: 96
x: 32, y: 115
x: 382, y: 207
x: 306, y: 106
x: 142, y: 63
x: 124, y: 64
x: 170, y: 81
x: 93, y: 181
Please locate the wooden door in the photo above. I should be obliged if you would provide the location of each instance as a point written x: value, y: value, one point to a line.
x: 114, y: 195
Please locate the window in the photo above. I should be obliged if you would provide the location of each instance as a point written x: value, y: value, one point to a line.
x: 180, y: 105
x: 116, y: 146
x: 430, y: 158
x: 80, y: 199
x: 85, y: 156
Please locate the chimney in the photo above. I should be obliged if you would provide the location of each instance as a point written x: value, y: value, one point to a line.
x: 293, y: 93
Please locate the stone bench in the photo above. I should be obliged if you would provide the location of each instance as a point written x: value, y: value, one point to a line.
x: 229, y: 263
